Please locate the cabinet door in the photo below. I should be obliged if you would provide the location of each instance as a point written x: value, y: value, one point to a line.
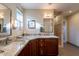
x: 25, y: 51
x: 51, y: 46
x: 31, y: 49
x: 41, y: 47
x: 34, y: 47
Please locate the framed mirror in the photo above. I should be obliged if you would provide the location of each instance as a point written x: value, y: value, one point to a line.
x: 5, y: 20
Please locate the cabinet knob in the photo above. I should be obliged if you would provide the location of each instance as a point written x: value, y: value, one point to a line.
x: 41, y: 44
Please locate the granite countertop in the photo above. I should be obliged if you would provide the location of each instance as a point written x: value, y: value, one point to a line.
x: 14, y: 48
x: 2, y: 38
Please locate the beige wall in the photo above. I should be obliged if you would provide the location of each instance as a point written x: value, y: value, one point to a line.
x: 73, y: 29
x: 13, y: 7
x: 34, y: 14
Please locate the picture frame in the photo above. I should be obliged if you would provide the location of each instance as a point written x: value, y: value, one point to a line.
x: 32, y: 24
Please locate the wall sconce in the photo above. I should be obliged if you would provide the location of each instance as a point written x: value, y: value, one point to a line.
x: 14, y: 27
x: 1, y: 16
x: 13, y: 24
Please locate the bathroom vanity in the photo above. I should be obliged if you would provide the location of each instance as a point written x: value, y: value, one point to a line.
x: 31, y: 46
x: 41, y: 47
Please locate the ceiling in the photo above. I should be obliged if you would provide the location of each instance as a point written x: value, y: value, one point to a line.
x: 2, y: 6
x: 64, y: 7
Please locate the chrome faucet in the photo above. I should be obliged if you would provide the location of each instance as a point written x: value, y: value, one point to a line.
x: 7, y: 40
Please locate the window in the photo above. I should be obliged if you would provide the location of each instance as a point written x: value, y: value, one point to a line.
x: 19, y: 19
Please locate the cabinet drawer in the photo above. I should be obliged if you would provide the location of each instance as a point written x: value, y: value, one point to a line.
x: 51, y: 42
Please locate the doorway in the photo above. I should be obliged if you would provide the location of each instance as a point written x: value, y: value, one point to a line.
x: 64, y: 32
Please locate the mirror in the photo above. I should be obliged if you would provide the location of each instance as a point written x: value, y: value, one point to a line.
x: 48, y: 25
x: 5, y: 19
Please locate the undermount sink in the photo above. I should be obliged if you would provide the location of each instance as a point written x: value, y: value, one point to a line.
x: 5, y: 41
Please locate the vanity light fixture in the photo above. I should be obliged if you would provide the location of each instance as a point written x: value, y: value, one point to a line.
x: 48, y: 15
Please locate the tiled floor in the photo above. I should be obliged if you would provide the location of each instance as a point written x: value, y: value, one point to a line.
x: 69, y: 50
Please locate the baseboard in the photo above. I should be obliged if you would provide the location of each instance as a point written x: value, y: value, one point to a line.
x: 73, y: 44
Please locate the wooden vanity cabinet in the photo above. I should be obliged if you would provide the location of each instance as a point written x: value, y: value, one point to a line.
x: 41, y: 47
x: 48, y: 46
